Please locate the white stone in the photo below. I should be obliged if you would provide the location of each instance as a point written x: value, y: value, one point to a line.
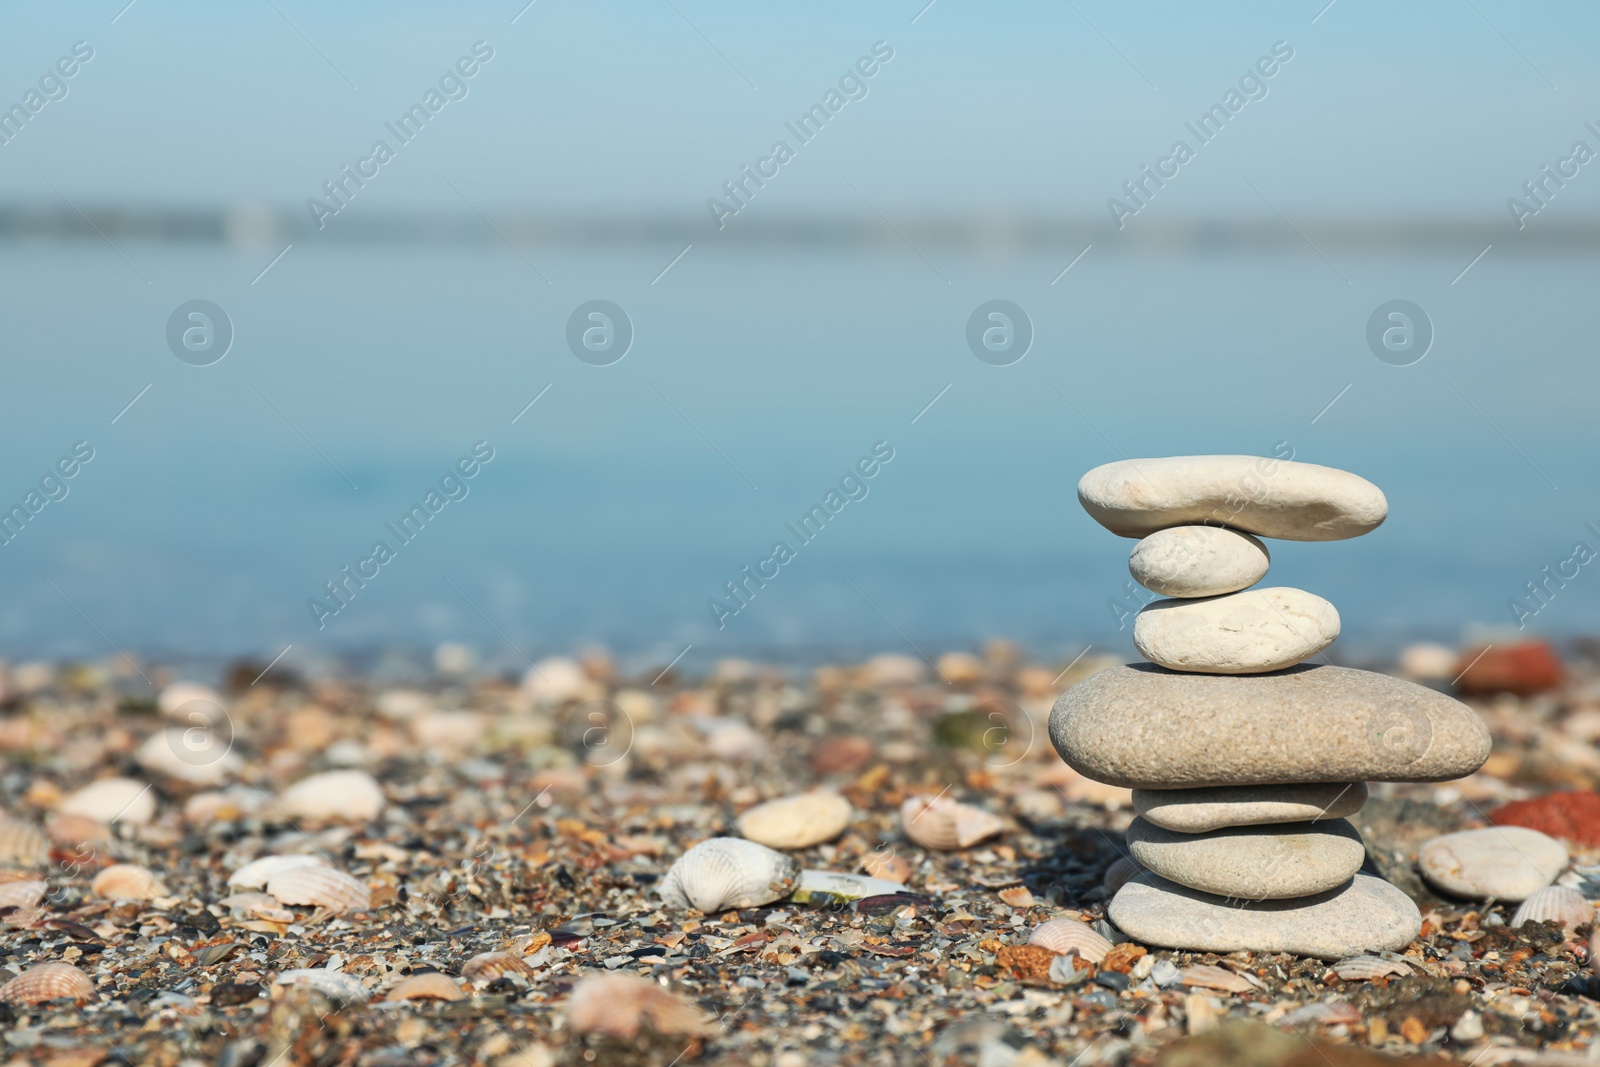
x: 1252, y: 632
x: 1252, y: 862
x: 1508, y: 863
x: 1193, y: 561
x: 1194, y: 811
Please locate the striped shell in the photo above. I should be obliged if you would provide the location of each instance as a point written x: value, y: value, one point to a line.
x: 725, y: 873
x: 256, y: 873
x: 1364, y: 968
x: 112, y: 800
x: 46, y: 982
x: 335, y: 984
x: 22, y: 893
x: 1206, y: 976
x: 1558, y: 903
x: 1121, y: 873
x: 23, y: 843
x: 620, y: 1006
x: 430, y: 985
x: 321, y: 887
x: 127, y: 881
x: 488, y: 966
x: 1069, y: 936
x: 944, y: 824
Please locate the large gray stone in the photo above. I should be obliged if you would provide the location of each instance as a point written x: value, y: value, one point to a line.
x: 1504, y: 862
x: 1270, y: 497
x: 1188, y: 561
x: 1143, y: 727
x: 1367, y: 915
x: 1252, y: 632
x: 1252, y: 862
x: 1194, y: 811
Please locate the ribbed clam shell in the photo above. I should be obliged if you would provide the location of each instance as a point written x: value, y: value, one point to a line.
x: 945, y: 824
x: 23, y: 893
x: 127, y: 881
x: 342, y: 796
x: 726, y: 873
x: 1064, y: 936
x: 487, y: 966
x: 113, y: 800
x: 322, y: 887
x: 1121, y: 873
x: 335, y: 984
x: 430, y: 985
x: 48, y: 981
x: 256, y: 873
x: 1206, y: 976
x: 1555, y: 903
x: 1363, y: 968
x: 23, y: 843
x: 620, y: 1006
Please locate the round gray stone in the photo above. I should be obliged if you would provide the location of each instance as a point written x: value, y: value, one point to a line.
x: 1260, y: 495
x: 1504, y: 862
x: 1252, y: 632
x: 1252, y: 862
x: 1189, y: 561
x: 1366, y: 915
x: 1194, y: 811
x: 1143, y: 727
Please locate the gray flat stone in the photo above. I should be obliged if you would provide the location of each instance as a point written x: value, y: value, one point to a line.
x: 1257, y: 494
x: 1194, y: 811
x: 1252, y: 632
x: 1143, y: 727
x: 1187, y: 561
x: 1252, y: 862
x: 1504, y: 862
x: 1367, y: 915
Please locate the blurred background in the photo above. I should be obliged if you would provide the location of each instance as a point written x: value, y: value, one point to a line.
x: 1228, y: 314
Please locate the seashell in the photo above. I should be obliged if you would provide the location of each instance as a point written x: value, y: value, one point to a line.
x: 1064, y: 970
x: 245, y: 902
x: 345, y: 796
x: 1363, y: 968
x: 256, y: 873
x: 488, y: 966
x: 798, y: 821
x: 944, y: 824
x: 1121, y: 873
x: 1558, y: 903
x: 429, y: 985
x: 206, y: 955
x: 620, y: 1006
x: 127, y: 881
x: 1330, y: 1013
x: 321, y: 887
x: 886, y: 865
x: 729, y: 872
x: 195, y: 754
x: 77, y: 832
x: 22, y: 892
x: 23, y: 843
x: 1063, y: 936
x: 345, y: 988
x: 112, y: 800
x: 555, y: 680
x: 817, y: 887
x: 222, y: 805
x: 46, y: 982
x: 191, y: 702
x: 1206, y: 976
x: 1017, y: 896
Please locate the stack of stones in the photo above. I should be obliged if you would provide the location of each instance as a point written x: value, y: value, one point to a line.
x: 1243, y: 761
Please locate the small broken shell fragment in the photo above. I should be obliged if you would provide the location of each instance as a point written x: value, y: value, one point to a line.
x: 127, y: 881
x: 798, y: 821
x: 256, y: 873
x: 725, y: 873
x: 1018, y: 896
x: 1555, y: 903
x: 429, y: 985
x: 1121, y: 873
x: 621, y: 1006
x: 1364, y: 968
x: 1063, y: 936
x: 333, y: 796
x: 321, y: 887
x: 112, y: 800
x: 345, y: 988
x: 46, y: 982
x: 944, y: 824
x: 830, y: 887
x: 23, y: 843
x: 488, y: 966
x: 1207, y: 976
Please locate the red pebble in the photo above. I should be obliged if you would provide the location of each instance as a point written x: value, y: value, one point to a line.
x: 1572, y: 816
x: 1524, y: 669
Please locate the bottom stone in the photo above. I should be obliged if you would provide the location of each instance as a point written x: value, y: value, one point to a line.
x: 1366, y: 915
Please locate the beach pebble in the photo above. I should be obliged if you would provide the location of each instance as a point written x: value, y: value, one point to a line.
x: 798, y: 821
x: 1503, y: 862
x: 1193, y: 561
x: 1250, y: 862
x: 112, y: 800
x: 1144, y: 727
x: 345, y: 796
x: 1367, y: 915
x: 1194, y: 811
x: 1252, y: 632
x: 1269, y: 497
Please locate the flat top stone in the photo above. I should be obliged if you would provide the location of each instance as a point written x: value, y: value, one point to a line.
x: 1504, y: 862
x: 1252, y: 862
x: 1145, y: 727
x: 1367, y: 915
x: 1194, y: 811
x: 1261, y: 495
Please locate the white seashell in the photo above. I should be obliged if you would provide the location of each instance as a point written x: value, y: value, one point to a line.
x: 112, y: 800
x: 192, y: 703
x: 1558, y: 903
x: 222, y: 805
x: 487, y: 966
x: 1333, y: 1013
x: 1069, y: 936
x: 798, y: 821
x: 726, y: 873
x: 197, y: 754
x: 344, y: 796
x: 1362, y: 968
x: 46, y: 982
x: 944, y: 824
x: 23, y: 843
x: 248, y: 902
x: 23, y: 893
x: 337, y: 985
x: 449, y: 731
x: 829, y: 886
x: 321, y: 887
x: 430, y: 985
x: 1205, y: 976
x: 1121, y: 873
x: 555, y: 680
x: 127, y: 881
x: 620, y: 1006
x: 256, y: 873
